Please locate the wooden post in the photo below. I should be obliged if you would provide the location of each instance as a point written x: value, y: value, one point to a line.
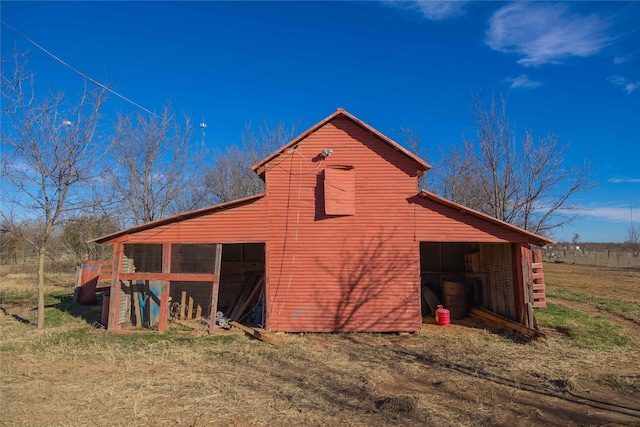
x: 136, y: 303
x: 190, y: 309
x: 198, y: 312
x: 165, y: 288
x: 114, y: 301
x: 164, y: 306
x: 183, y: 303
x: 215, y: 288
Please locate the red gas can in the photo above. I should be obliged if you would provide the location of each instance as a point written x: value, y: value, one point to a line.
x: 442, y: 316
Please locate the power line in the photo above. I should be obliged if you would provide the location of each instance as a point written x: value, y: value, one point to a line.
x: 80, y: 72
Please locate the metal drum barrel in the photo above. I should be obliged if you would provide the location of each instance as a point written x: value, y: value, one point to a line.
x: 454, y: 298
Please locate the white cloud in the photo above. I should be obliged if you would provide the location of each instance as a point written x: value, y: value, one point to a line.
x: 543, y: 33
x: 612, y: 214
x: 432, y: 10
x: 624, y: 180
x: 628, y: 86
x: 602, y: 212
x: 522, y: 82
x: 622, y: 59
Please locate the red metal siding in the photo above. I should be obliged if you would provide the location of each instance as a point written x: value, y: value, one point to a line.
x: 245, y: 223
x: 344, y: 273
x: 438, y: 223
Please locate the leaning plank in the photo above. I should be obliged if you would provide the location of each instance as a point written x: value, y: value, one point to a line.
x: 430, y: 298
x: 246, y: 288
x: 491, y: 318
x: 247, y: 301
x: 256, y: 333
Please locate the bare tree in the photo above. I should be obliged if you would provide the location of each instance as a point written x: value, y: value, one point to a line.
x: 76, y: 235
x: 153, y: 166
x: 521, y: 181
x: 633, y: 238
x: 49, y: 154
x: 230, y: 177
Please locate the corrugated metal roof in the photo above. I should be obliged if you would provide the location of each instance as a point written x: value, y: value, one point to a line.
x: 532, y: 237
x: 422, y: 165
x: 178, y: 217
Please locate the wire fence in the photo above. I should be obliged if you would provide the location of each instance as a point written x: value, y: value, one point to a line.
x: 32, y: 269
x: 596, y: 258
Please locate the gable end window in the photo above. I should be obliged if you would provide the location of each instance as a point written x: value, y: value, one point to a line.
x: 340, y: 191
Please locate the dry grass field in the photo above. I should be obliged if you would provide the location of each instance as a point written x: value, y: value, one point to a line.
x: 585, y: 372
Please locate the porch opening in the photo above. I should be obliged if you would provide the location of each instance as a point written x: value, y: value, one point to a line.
x: 179, y: 286
x: 451, y: 275
x: 463, y: 275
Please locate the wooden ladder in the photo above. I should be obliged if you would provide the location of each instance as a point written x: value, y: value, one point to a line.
x: 538, y: 296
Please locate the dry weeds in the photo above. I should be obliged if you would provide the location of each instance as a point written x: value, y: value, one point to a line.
x: 456, y: 376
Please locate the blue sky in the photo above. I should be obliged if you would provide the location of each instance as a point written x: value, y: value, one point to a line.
x: 571, y: 69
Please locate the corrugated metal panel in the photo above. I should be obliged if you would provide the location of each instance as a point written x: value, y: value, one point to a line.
x: 438, y: 223
x: 244, y: 223
x: 345, y: 273
x: 485, y: 224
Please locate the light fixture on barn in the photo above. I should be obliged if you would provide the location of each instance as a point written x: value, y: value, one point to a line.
x: 326, y: 152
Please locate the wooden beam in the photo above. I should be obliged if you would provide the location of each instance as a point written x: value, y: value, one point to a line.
x: 215, y: 287
x: 256, y: 333
x: 173, y: 277
x: 493, y: 319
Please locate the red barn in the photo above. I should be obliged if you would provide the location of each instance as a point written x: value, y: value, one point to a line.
x: 341, y: 240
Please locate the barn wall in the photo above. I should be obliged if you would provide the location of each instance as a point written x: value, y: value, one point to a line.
x: 342, y: 272
x: 438, y: 223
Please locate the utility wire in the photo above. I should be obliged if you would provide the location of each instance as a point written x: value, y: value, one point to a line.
x: 80, y: 72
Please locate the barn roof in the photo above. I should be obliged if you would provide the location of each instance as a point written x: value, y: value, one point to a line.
x: 178, y: 218
x: 531, y: 237
x: 422, y: 166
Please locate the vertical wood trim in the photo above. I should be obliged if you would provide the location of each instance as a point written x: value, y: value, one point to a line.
x: 164, y: 289
x: 517, y: 253
x: 164, y: 306
x: 114, y: 301
x: 266, y: 315
x: 215, y: 288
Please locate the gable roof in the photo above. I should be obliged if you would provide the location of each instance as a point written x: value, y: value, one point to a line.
x: 422, y: 166
x: 531, y: 237
x: 178, y: 218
